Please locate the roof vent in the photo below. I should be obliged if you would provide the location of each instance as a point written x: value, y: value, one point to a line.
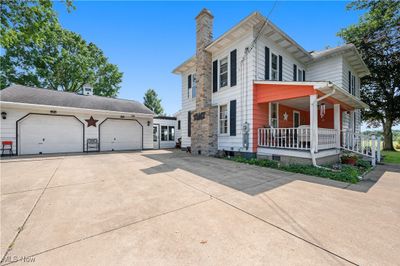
x: 87, y: 90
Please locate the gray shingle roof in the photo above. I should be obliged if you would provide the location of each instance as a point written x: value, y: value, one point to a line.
x: 30, y: 95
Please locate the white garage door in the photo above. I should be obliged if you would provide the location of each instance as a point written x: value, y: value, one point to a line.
x: 119, y: 135
x: 50, y: 134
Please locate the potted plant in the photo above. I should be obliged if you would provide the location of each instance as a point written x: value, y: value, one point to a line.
x: 349, y: 158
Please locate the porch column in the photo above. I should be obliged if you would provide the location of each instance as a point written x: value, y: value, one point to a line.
x: 336, y: 123
x: 313, y: 123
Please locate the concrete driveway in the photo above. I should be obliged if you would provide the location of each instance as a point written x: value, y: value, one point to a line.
x: 169, y: 208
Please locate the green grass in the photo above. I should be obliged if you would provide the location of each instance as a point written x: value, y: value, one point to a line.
x: 347, y: 174
x: 391, y: 157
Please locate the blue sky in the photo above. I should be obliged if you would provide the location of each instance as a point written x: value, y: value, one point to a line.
x: 147, y: 40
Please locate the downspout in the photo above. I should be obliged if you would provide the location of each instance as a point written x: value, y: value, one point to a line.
x: 314, y: 161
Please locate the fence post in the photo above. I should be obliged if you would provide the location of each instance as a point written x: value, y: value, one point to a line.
x: 373, y: 150
x: 378, y: 151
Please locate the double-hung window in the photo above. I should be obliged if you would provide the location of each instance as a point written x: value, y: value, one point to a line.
x: 274, y: 115
x: 274, y: 67
x: 223, y: 72
x: 223, y: 119
x: 299, y: 75
x: 194, y: 86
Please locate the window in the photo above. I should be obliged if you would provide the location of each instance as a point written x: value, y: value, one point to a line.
x: 299, y: 75
x: 164, y: 133
x: 179, y: 124
x: 155, y: 133
x: 223, y: 119
x: 274, y: 67
x: 194, y: 86
x: 353, y: 85
x: 274, y: 115
x: 189, y: 82
x: 171, y: 133
x: 223, y: 72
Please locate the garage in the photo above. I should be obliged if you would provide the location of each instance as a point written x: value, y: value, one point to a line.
x: 41, y: 134
x: 41, y: 121
x: 120, y: 134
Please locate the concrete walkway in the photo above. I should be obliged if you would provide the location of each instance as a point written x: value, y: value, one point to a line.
x: 169, y: 208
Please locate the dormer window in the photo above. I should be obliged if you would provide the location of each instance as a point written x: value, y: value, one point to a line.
x: 223, y: 72
x: 274, y: 67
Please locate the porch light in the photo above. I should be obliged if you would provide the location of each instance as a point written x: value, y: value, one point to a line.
x: 4, y: 115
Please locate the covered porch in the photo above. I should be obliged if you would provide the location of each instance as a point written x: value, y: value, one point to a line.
x: 302, y: 119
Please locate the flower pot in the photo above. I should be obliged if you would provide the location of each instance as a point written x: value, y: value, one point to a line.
x: 349, y: 160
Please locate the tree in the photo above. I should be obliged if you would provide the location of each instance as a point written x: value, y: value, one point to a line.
x: 152, y: 102
x: 49, y: 56
x: 377, y: 37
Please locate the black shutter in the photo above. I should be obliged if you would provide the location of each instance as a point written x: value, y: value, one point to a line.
x: 189, y: 124
x: 280, y: 67
x: 266, y: 63
x: 304, y: 75
x: 215, y: 76
x: 233, y: 68
x: 232, y: 118
x: 350, y: 81
x: 295, y: 73
x: 189, y: 81
x: 179, y: 124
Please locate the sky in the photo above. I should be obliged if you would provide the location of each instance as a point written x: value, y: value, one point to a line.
x: 147, y: 40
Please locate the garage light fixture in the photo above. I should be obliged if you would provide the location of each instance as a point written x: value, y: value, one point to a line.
x: 122, y: 116
x: 148, y: 123
x: 53, y: 111
x: 4, y: 115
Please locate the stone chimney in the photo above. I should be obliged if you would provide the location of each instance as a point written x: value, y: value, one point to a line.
x: 205, y: 117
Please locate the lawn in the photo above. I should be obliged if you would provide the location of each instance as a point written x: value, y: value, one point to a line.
x: 391, y: 157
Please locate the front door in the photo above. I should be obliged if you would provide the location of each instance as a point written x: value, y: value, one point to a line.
x: 156, y: 137
x: 296, y: 119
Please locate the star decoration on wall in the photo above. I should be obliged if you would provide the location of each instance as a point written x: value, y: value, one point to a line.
x: 91, y: 121
x: 285, y: 116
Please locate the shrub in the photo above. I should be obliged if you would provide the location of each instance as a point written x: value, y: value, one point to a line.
x: 348, y: 173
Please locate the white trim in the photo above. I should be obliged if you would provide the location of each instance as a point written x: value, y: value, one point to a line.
x: 295, y: 153
x: 66, y: 109
x: 277, y: 113
x: 296, y: 112
x: 227, y: 119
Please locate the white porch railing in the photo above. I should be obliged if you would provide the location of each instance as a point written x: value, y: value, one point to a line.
x: 362, y: 144
x: 289, y: 138
x: 300, y: 139
x: 327, y: 138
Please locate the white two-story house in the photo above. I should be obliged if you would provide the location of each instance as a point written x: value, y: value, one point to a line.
x: 271, y: 97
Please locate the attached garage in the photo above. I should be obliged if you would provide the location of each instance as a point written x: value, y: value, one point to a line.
x: 41, y: 134
x: 42, y: 121
x: 120, y: 134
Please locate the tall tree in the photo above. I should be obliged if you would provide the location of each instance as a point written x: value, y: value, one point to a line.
x: 377, y: 36
x: 152, y: 102
x: 39, y: 52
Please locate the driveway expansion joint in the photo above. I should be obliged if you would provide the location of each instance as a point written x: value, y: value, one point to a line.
x: 21, y: 228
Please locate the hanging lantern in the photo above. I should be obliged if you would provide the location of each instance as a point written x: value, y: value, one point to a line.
x: 322, y: 110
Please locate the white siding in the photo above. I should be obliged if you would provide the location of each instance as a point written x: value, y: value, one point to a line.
x: 330, y: 69
x: 166, y: 122
x: 241, y: 92
x: 188, y: 104
x: 287, y: 58
x: 8, y: 126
